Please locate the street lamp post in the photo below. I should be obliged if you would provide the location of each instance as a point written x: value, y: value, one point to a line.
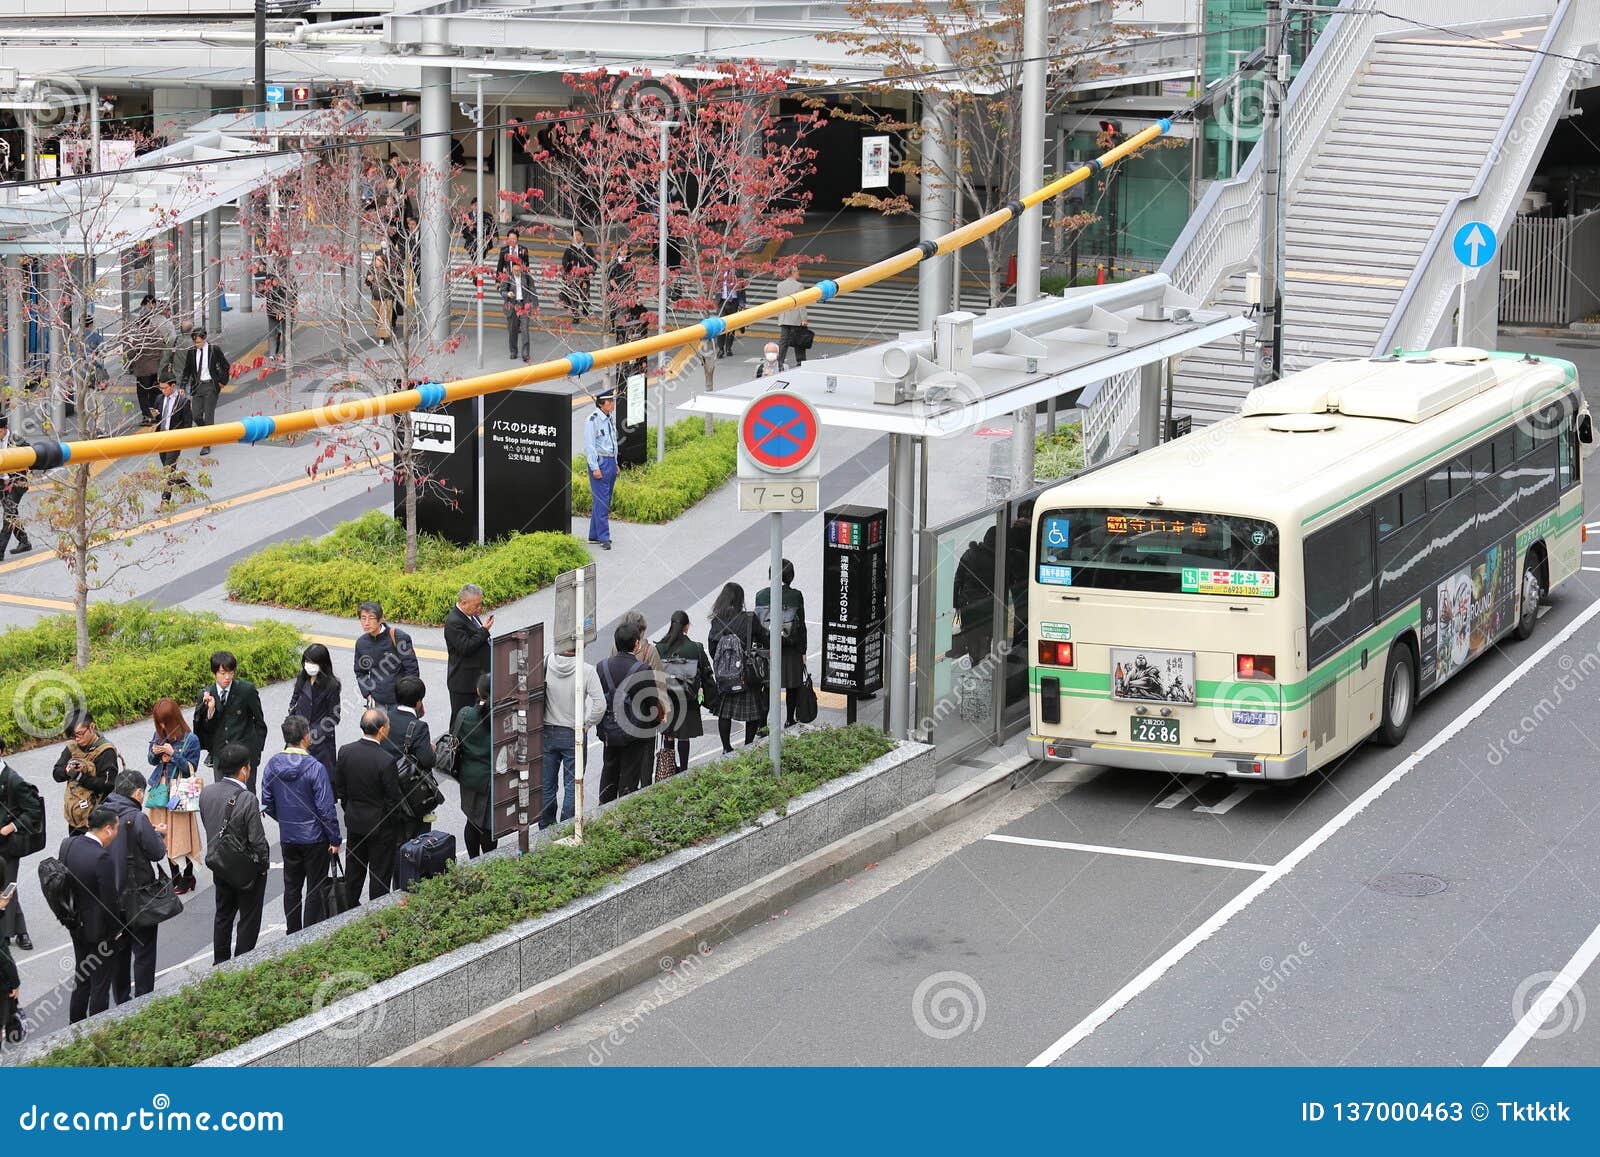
x: 661, y: 289
x: 1238, y: 89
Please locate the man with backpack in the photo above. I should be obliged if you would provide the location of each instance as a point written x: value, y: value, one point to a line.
x: 384, y: 654
x: 632, y: 714
x: 412, y: 747
x: 81, y: 889
x: 88, y: 766
x: 228, y: 807
x: 21, y: 834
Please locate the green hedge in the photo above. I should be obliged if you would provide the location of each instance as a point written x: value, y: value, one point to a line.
x: 472, y: 902
x: 136, y: 655
x: 363, y: 559
x: 693, y: 466
x: 1059, y: 454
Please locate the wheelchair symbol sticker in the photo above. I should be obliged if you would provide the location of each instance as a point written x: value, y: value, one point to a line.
x: 1057, y: 533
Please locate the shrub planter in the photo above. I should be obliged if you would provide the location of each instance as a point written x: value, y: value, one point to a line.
x: 363, y: 1027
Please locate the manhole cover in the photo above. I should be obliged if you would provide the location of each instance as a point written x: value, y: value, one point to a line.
x: 1408, y: 884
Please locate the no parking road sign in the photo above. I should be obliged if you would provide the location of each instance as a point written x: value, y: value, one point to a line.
x: 778, y: 466
x: 778, y: 432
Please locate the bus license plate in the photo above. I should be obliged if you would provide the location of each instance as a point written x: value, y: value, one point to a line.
x: 1143, y: 729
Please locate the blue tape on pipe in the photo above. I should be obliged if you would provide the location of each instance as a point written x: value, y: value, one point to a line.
x: 580, y: 362
x: 714, y: 326
x: 430, y: 394
x: 830, y: 289
x: 258, y: 427
x: 66, y: 452
x: 1164, y: 125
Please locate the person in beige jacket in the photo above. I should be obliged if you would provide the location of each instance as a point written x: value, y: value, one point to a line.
x: 791, y: 324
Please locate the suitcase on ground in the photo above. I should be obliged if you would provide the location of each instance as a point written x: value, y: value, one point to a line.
x: 423, y: 858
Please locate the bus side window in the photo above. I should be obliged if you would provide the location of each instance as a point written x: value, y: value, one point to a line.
x: 1339, y: 582
x: 1460, y: 474
x: 1502, y: 452
x: 1565, y: 455
x: 1387, y: 509
x: 1522, y: 438
x: 1438, y: 486
x: 1413, y: 502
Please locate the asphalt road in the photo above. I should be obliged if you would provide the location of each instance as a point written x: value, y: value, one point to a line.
x: 1408, y: 907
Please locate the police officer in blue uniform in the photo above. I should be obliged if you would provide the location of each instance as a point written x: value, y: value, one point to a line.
x: 600, y: 451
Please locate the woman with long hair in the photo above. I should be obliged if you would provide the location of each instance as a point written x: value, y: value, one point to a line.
x: 174, y: 755
x: 746, y: 698
x: 792, y: 631
x: 689, y: 680
x: 316, y: 698
x: 474, y: 771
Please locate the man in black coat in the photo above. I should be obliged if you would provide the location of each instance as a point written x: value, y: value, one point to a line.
x: 409, y: 735
x: 134, y: 852
x: 229, y: 793
x: 205, y: 372
x: 364, y: 780
x: 173, y: 412
x: 229, y: 711
x: 22, y: 826
x: 466, y: 641
x: 383, y: 655
x: 94, y: 892
x: 514, y: 274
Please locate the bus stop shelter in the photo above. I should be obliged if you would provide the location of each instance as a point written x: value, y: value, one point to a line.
x: 944, y: 383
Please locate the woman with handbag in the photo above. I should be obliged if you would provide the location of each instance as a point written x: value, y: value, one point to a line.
x: 315, y: 698
x: 175, y: 756
x: 740, y: 682
x: 689, y: 679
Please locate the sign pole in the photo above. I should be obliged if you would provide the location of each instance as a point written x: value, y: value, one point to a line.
x: 580, y: 733
x: 775, y: 635
x: 1461, y: 310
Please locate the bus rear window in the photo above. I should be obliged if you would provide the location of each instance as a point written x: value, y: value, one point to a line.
x: 1167, y: 551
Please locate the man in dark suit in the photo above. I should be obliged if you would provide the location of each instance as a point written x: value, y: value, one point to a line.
x: 172, y: 413
x: 94, y: 892
x: 466, y: 641
x: 205, y: 372
x: 514, y: 275
x: 409, y: 735
x: 229, y: 711
x: 235, y: 768
x: 364, y: 780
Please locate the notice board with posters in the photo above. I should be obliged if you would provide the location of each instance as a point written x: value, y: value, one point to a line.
x: 445, y: 441
x: 527, y: 463
x: 516, y: 746
x: 854, y: 598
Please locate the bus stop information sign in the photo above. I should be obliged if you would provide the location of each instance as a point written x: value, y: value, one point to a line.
x: 854, y: 598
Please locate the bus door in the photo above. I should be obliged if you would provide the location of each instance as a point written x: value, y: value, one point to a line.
x: 1348, y: 673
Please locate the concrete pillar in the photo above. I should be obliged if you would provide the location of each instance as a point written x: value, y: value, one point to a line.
x: 938, y: 201
x: 502, y: 167
x: 183, y: 256
x: 16, y: 339
x: 55, y: 333
x: 1150, y: 382
x: 213, y: 271
x: 433, y: 205
x: 247, y: 252
x: 902, y: 512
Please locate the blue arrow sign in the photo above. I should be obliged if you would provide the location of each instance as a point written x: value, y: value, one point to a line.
x: 274, y: 94
x: 1475, y: 244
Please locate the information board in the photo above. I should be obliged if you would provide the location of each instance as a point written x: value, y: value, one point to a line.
x: 854, y: 598
x: 527, y: 463
x: 445, y: 440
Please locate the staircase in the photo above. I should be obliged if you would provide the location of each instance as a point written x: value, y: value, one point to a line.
x: 1394, y: 135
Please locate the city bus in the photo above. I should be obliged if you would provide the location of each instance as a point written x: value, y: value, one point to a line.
x: 1256, y: 598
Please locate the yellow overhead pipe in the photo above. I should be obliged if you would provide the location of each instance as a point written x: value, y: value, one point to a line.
x: 47, y: 454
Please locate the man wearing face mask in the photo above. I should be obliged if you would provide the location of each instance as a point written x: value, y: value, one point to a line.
x: 769, y: 360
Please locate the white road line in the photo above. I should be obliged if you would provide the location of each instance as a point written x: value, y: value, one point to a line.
x: 1218, y: 919
x: 1589, y: 552
x: 1240, y: 794
x: 1136, y: 853
x: 1595, y: 569
x: 1546, y: 1004
x: 1593, y: 525
x: 1175, y: 798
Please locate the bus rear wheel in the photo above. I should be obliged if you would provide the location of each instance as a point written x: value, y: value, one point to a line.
x: 1532, y: 593
x: 1399, y: 695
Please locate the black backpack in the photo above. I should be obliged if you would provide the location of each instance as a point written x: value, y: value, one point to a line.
x: 55, y: 883
x: 419, y: 791
x: 23, y: 805
x: 728, y: 664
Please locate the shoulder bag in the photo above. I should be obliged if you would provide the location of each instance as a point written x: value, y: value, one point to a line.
x: 229, y: 857
x: 151, y: 903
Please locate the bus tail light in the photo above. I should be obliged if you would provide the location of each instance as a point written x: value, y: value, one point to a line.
x: 1257, y: 667
x: 1056, y: 654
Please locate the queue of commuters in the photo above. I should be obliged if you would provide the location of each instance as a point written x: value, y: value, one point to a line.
x: 344, y: 812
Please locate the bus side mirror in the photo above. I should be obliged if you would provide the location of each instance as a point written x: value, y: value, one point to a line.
x: 1585, y: 429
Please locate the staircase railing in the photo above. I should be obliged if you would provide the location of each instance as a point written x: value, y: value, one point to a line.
x: 1422, y: 315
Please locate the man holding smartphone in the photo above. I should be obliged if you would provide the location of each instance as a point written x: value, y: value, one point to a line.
x: 21, y: 834
x: 88, y: 766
